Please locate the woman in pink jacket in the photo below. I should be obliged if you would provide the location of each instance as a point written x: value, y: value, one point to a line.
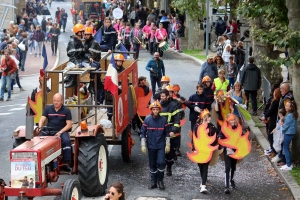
x: 160, y: 35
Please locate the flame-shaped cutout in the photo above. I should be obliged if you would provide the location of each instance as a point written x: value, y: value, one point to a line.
x: 224, y: 109
x: 235, y: 140
x: 202, y: 144
x: 37, y: 105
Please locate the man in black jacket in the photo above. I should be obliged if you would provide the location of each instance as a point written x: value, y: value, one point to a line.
x: 180, y: 35
x: 251, y: 81
x: 93, y: 54
x: 220, y: 27
x: 239, y: 55
x: 172, y: 114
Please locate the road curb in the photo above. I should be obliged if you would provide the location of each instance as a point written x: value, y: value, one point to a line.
x: 284, y: 175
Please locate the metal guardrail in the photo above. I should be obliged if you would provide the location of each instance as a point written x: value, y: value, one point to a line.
x: 4, y: 14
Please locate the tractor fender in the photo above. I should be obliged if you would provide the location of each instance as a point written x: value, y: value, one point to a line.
x: 91, y: 132
x: 20, y: 132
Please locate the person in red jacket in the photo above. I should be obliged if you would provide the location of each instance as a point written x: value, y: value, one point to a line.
x: 8, y: 67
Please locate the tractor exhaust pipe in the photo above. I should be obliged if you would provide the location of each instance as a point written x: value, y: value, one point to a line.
x: 29, y: 129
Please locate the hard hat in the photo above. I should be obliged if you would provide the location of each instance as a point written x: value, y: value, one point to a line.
x: 165, y: 79
x: 176, y: 87
x: 155, y: 104
x: 88, y: 30
x: 205, y: 79
x: 170, y: 88
x: 119, y: 57
x: 230, y: 117
x: 77, y: 28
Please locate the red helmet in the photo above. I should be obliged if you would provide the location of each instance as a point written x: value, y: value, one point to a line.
x: 176, y: 87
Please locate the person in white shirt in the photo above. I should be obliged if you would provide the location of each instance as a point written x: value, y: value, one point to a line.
x: 226, y: 54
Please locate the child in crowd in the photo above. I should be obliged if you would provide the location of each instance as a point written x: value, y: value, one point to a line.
x: 231, y: 71
x: 289, y: 130
x: 226, y: 54
x: 277, y: 134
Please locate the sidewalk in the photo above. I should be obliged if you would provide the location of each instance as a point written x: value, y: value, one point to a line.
x: 284, y: 175
x: 34, y: 64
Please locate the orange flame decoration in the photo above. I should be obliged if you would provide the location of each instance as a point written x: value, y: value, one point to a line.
x: 203, y: 149
x: 36, y: 106
x: 235, y: 140
x: 225, y: 109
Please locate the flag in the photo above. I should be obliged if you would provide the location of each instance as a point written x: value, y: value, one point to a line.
x: 123, y: 49
x: 45, y: 59
x: 111, y: 78
x: 98, y: 36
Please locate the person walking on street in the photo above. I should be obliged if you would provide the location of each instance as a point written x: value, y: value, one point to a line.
x: 30, y: 38
x: 63, y: 19
x: 220, y: 27
x: 155, y: 133
x: 156, y: 68
x: 209, y: 68
x: 44, y: 24
x: 8, y: 67
x: 57, y: 17
x: 23, y: 52
x: 38, y: 37
x: 54, y: 32
x: 136, y: 37
x: 251, y: 81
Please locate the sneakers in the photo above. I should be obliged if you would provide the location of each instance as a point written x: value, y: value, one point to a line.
x: 9, y: 99
x: 254, y: 113
x: 227, y: 191
x: 232, y: 184
x: 286, y: 168
x: 203, y: 189
x: 21, y: 90
x: 268, y: 150
x: 128, y: 57
x: 275, y: 159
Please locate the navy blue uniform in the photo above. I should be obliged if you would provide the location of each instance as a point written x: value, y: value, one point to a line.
x: 209, y: 93
x: 155, y: 130
x: 56, y: 122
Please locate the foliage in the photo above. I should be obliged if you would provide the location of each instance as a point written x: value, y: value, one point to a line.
x: 296, y: 174
x: 189, y: 6
x: 195, y: 53
x: 273, y: 28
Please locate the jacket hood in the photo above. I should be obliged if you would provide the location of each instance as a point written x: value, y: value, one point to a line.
x: 252, y: 66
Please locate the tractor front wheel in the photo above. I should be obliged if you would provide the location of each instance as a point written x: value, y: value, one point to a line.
x: 71, y: 190
x: 127, y: 144
x: 93, y: 165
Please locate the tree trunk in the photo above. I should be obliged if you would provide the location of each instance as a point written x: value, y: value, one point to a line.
x: 293, y: 7
x: 192, y: 33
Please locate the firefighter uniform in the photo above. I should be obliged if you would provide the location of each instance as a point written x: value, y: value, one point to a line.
x: 109, y: 38
x: 155, y: 131
x: 171, y: 112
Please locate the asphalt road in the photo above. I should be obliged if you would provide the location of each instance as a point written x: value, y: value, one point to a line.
x: 254, y: 178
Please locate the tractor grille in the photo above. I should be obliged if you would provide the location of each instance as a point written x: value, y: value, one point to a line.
x: 32, y: 155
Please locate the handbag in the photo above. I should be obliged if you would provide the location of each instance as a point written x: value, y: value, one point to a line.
x: 22, y: 46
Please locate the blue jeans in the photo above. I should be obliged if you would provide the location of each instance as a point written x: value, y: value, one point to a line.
x: 104, y: 47
x: 31, y: 47
x: 286, y: 148
x: 231, y: 82
x: 23, y: 59
x: 6, y: 83
x: 157, y: 164
x: 155, y: 80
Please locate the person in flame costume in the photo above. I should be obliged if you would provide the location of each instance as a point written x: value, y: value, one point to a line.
x: 204, y: 143
x: 236, y: 146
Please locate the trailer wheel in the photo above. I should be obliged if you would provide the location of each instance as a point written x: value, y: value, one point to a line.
x: 126, y: 144
x: 18, y: 142
x: 71, y: 190
x: 93, y: 165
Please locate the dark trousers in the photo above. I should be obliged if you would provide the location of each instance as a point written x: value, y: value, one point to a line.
x: 23, y: 55
x: 132, y: 21
x: 100, y: 96
x: 230, y: 165
x: 152, y: 47
x: 147, y: 43
x: 204, y: 46
x: 231, y: 81
x: 193, y: 125
x: 157, y: 164
x: 171, y: 155
x: 203, y: 172
x: 136, y: 49
x: 270, y: 136
x: 155, y: 80
x: 177, y: 142
x: 104, y: 47
x: 96, y: 65
x: 161, y: 53
x: 66, y: 145
x: 54, y: 44
x: 253, y: 98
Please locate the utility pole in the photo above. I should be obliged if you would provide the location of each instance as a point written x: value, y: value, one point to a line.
x: 207, y: 27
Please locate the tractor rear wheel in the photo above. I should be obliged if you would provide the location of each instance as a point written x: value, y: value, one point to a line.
x: 93, y: 165
x: 18, y: 142
x: 126, y: 144
x: 71, y: 190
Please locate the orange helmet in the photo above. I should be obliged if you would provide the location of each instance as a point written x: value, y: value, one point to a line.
x: 155, y: 104
x: 165, y: 79
x: 176, y: 87
x: 170, y: 88
x: 88, y: 30
x: 77, y: 28
x: 205, y: 79
x: 230, y: 117
x: 119, y: 57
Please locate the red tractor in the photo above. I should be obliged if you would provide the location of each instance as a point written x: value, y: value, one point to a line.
x: 38, y: 161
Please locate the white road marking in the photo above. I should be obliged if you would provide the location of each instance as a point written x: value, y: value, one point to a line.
x: 5, y: 113
x: 13, y: 105
x: 15, y: 109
